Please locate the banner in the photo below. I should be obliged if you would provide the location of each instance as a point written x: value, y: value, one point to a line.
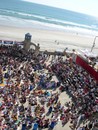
x: 87, y: 67
x: 18, y: 43
x: 8, y: 42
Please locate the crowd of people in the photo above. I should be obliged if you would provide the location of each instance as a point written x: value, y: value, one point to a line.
x: 1, y: 75
x: 81, y: 87
x: 30, y: 98
x: 25, y: 95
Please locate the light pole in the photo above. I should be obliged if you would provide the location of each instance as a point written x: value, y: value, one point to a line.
x: 93, y: 43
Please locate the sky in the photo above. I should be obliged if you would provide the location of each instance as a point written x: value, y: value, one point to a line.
x: 83, y: 6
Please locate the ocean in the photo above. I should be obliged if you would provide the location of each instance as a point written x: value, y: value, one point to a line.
x: 25, y: 14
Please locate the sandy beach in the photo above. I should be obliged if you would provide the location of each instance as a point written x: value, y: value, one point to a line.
x: 48, y: 91
x: 50, y: 40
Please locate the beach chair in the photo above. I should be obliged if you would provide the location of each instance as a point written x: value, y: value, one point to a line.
x: 23, y: 126
x: 50, y: 109
x: 6, y: 75
x: 35, y: 127
x: 52, y: 125
x: 31, y: 87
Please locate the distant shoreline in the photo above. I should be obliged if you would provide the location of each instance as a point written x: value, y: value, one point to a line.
x: 27, y: 23
x: 47, y: 38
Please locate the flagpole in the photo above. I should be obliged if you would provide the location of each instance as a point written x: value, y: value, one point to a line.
x: 93, y: 43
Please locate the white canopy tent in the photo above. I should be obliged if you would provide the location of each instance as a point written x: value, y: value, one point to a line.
x: 87, y: 53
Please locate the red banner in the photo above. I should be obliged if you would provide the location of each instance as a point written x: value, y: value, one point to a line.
x: 80, y: 61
